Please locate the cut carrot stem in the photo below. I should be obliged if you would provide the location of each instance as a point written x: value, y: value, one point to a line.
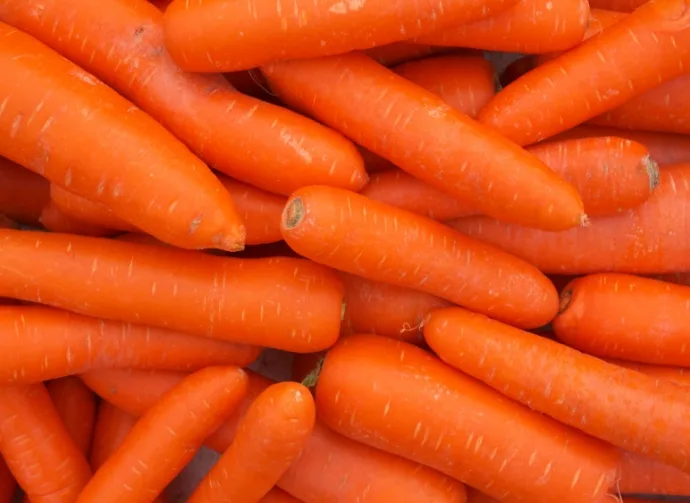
x: 86, y: 211
x: 76, y: 406
x: 55, y: 220
x: 423, y: 135
x: 574, y: 388
x: 402, y: 52
x: 618, y: 5
x: 112, y: 427
x: 424, y: 410
x: 275, y: 495
x: 23, y: 194
x: 286, y: 303
x: 8, y: 486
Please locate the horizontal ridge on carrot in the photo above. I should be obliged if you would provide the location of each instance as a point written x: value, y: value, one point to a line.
x: 23, y: 193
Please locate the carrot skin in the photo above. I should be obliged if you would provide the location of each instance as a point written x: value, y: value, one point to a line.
x: 8, y: 486
x: 54, y: 220
x: 86, y: 211
x: 276, y: 495
x: 112, y: 427
x: 643, y: 475
x: 330, y: 226
x: 23, y: 194
x: 76, y: 406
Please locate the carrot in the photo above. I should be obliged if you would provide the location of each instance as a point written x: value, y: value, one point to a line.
x: 596, y: 76
x: 618, y: 5
x: 275, y: 495
x: 678, y: 375
x: 286, y: 303
x: 8, y: 486
x: 248, y: 139
x: 76, y: 406
x: 397, y: 53
x: 112, y: 427
x: 34, y: 442
x: 425, y: 411
x: 53, y: 219
x: 529, y: 26
x: 643, y: 475
x: 382, y: 243
x: 167, y: 436
x: 466, y: 83
x: 621, y: 406
x: 23, y: 194
x: 628, y: 242
x: 424, y: 136
x: 86, y: 211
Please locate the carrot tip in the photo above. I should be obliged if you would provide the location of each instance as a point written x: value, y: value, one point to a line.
x: 293, y: 213
x: 652, y: 168
x: 584, y: 220
x: 566, y: 299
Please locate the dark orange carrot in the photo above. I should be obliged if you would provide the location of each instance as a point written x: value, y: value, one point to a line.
x: 55, y: 220
x: 360, y: 236
x: 76, y: 406
x: 275, y: 495
x: 678, y: 375
x: 402, y: 52
x: 618, y: 5
x: 86, y: 211
x: 112, y: 426
x: 8, y: 486
x: 23, y: 194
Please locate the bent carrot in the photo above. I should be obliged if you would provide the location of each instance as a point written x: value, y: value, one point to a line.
x: 112, y: 427
x: 359, y: 236
x: 76, y: 406
x: 623, y: 407
x: 166, y: 437
x: 275, y: 495
x: 84, y: 210
x: 596, y: 76
x: 618, y: 5
x: 423, y: 410
x: 53, y: 219
x: 628, y: 242
x: 282, y: 302
x: 23, y: 194
x: 397, y: 53
x: 8, y: 486
x: 424, y: 136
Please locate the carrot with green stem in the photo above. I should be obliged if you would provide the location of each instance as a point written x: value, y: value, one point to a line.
x: 379, y: 242
x: 8, y: 486
x: 76, y: 406
x: 55, y: 220
x: 596, y: 76
x: 23, y: 194
x: 423, y: 135
x: 303, y: 365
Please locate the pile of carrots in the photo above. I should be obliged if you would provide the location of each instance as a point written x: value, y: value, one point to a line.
x: 482, y: 278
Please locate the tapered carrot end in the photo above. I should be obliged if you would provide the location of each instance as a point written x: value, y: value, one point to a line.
x: 293, y: 213
x: 584, y: 220
x: 652, y: 169
x: 231, y: 242
x: 566, y: 299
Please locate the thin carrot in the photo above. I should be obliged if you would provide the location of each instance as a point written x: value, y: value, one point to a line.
x: 629, y: 242
x: 248, y: 139
x: 285, y: 303
x: 34, y: 442
x: 76, y: 406
x: 423, y: 410
x: 530, y: 26
x: 621, y: 406
x: 424, y: 136
x: 112, y: 427
x: 84, y: 210
x: 8, y: 486
x: 618, y: 5
x: 596, y: 76
x: 382, y: 243
x: 53, y: 219
x: 275, y: 495
x: 403, y: 52
x: 23, y: 194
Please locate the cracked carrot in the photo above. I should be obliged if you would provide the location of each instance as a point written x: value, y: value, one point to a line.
x: 23, y: 194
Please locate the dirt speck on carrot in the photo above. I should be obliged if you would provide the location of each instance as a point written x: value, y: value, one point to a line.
x: 293, y: 214
x: 652, y: 168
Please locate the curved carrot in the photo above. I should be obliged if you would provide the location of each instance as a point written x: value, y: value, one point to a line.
x: 53, y: 219
x: 270, y: 437
x: 354, y: 234
x: 34, y: 442
x: 166, y: 437
x: 275, y: 495
x: 122, y: 159
x: 23, y: 194
x: 424, y: 136
x: 8, y: 486
x: 596, y: 76
x: 621, y: 406
x: 76, y: 406
x: 112, y: 427
x: 618, y: 5
x: 530, y: 26
x: 423, y: 410
x: 397, y: 53
x: 84, y: 210
x: 281, y: 302
x: 628, y: 242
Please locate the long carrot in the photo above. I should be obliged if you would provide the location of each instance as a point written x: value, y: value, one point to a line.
x: 423, y: 410
x: 596, y: 76
x: 618, y: 5
x: 166, y: 437
x: 270, y: 437
x: 621, y: 406
x: 275, y: 495
x: 122, y: 159
x: 8, y: 486
x: 112, y: 427
x: 55, y: 220
x: 76, y: 406
x: 37, y: 447
x: 249, y: 139
x: 629, y: 242
x: 285, y: 303
x: 23, y: 194
x: 402, y: 52
x: 424, y: 136
x: 360, y: 236
x: 530, y: 26
x: 84, y: 210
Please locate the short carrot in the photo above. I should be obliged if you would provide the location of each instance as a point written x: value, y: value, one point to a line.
x: 621, y: 406
x: 530, y: 26
x: 248, y: 139
x: 84, y: 210
x: 8, y: 486
x: 166, y: 437
x: 596, y: 76
x: 402, y: 52
x: 23, y: 194
x: 269, y: 438
x: 424, y: 136
x: 618, y: 5
x: 34, y: 441
x: 76, y: 406
x: 360, y: 236
x: 276, y: 495
x: 55, y: 220
x: 112, y: 427
x: 424, y: 410
x: 285, y: 303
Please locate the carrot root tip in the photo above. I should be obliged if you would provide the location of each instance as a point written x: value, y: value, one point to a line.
x: 566, y: 299
x: 584, y: 220
x: 293, y: 213
x: 652, y: 168
x: 313, y: 376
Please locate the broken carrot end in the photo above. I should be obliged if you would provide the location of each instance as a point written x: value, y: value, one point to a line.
x: 293, y: 213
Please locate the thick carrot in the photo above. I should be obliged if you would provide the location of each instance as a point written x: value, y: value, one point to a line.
x: 360, y: 236
x: 621, y: 406
x: 84, y: 210
x: 270, y: 437
x: 166, y: 437
x: 23, y: 194
x: 618, y: 5
x: 423, y: 410
x: 420, y: 133
x: 248, y: 139
x: 596, y: 76
x: 76, y: 406
x: 275, y: 495
x: 122, y: 159
x: 285, y: 303
x: 530, y: 26
x: 112, y: 427
x: 629, y: 242
x: 37, y: 447
x: 8, y: 486
x: 402, y: 52
x: 55, y: 220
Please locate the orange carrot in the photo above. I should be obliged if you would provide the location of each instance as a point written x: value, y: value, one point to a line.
x: 84, y: 210
x: 402, y: 52
x: 112, y: 427
x: 275, y: 495
x: 621, y: 406
x: 248, y: 139
x: 423, y: 410
x: 285, y: 303
x: 360, y: 236
x: 628, y: 242
x: 596, y: 76
x: 424, y: 136
x: 76, y: 406
x: 618, y: 5
x: 166, y: 437
x: 8, y: 486
x: 474, y: 496
x: 643, y: 475
x: 530, y: 26
x: 53, y: 219
x: 23, y: 194
x: 678, y: 375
